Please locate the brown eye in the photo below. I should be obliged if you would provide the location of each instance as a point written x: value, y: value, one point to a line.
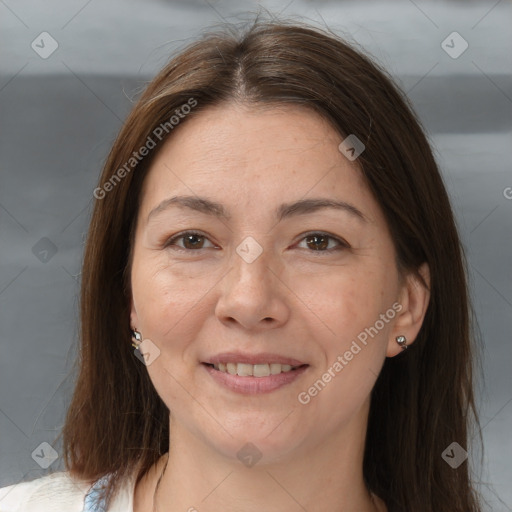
x: 191, y: 241
x: 319, y: 242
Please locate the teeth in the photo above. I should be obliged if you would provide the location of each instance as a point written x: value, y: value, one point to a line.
x: 261, y: 370
x: 250, y: 370
x: 244, y: 370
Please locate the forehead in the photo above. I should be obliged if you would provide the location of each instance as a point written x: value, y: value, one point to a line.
x: 255, y: 156
x: 252, y: 134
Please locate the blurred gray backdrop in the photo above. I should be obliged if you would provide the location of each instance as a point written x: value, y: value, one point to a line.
x: 68, y: 73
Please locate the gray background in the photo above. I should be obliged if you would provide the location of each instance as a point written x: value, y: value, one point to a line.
x: 59, y: 117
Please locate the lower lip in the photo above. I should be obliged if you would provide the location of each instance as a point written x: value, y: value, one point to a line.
x: 254, y: 385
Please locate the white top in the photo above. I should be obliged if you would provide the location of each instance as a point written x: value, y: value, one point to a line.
x: 58, y: 492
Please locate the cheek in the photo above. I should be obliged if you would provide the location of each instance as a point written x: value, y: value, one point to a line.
x: 169, y: 305
x: 346, y: 302
x: 167, y: 299
x: 353, y: 350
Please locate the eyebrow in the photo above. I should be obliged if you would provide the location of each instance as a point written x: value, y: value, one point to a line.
x: 285, y: 210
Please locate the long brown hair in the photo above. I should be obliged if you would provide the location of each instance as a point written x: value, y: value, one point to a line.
x: 423, y: 399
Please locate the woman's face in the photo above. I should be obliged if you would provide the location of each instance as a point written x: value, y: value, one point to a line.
x: 271, y: 275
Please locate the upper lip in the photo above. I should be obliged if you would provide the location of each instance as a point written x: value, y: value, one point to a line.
x: 261, y: 358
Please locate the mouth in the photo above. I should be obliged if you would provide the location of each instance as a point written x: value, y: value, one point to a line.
x: 253, y: 379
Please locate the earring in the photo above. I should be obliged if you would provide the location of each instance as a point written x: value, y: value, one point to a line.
x: 402, y: 341
x: 137, y: 336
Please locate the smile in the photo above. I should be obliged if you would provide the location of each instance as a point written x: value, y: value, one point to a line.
x: 249, y: 379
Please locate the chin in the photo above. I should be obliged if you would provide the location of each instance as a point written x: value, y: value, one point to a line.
x: 251, y: 445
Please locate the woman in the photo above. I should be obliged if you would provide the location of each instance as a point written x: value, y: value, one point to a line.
x: 274, y: 309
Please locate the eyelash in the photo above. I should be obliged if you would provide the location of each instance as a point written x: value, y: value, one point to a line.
x: 342, y: 244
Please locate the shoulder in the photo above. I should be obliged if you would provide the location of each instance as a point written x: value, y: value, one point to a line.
x: 55, y: 492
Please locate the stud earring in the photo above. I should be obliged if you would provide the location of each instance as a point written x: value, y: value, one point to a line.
x: 402, y: 341
x: 137, y: 336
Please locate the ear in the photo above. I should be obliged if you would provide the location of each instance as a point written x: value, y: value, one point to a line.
x: 414, y: 299
x: 134, y: 319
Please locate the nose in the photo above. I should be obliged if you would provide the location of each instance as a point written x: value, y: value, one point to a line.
x: 253, y: 294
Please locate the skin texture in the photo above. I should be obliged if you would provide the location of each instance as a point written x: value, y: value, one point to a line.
x: 292, y: 300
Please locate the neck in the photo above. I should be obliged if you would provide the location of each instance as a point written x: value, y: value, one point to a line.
x: 194, y: 477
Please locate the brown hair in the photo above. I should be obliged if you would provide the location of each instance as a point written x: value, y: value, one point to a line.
x: 423, y: 399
